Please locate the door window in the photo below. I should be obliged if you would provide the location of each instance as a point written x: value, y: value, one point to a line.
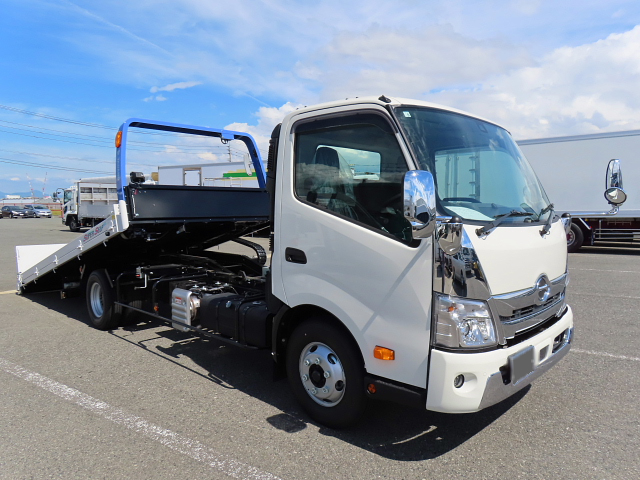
x: 353, y: 167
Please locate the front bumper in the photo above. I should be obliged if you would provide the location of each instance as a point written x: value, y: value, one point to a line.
x: 485, y: 384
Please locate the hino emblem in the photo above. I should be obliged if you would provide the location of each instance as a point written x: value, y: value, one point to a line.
x: 543, y: 289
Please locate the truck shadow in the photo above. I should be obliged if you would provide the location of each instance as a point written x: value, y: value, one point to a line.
x: 389, y: 430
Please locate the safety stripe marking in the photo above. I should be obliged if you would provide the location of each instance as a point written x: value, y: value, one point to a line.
x: 8, y: 292
x: 604, y: 354
x: 168, y: 438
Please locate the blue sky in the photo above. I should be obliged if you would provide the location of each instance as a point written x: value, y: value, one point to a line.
x: 541, y: 68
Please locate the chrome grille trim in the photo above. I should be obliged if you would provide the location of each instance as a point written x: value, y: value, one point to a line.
x: 522, y: 310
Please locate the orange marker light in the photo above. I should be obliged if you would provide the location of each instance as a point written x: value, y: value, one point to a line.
x: 384, y: 353
x: 118, y: 139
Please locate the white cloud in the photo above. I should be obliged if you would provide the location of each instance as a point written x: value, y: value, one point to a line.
x: 15, y: 179
x: 174, y: 86
x: 157, y: 98
x: 268, y: 118
x: 406, y: 63
x: 209, y: 157
x: 586, y: 89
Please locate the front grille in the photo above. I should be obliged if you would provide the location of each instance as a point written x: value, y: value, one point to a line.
x: 527, y: 312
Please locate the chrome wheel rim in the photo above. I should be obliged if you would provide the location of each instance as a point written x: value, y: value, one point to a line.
x: 322, y: 374
x: 96, y: 298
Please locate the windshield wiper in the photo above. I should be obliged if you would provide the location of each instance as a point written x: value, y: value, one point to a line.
x: 499, y: 219
x: 547, y: 227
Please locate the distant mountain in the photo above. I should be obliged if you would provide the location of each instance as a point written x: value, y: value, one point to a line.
x: 22, y: 194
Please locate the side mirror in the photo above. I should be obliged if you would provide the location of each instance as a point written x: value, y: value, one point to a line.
x: 614, y: 193
x: 136, y: 177
x: 615, y: 196
x: 420, y: 203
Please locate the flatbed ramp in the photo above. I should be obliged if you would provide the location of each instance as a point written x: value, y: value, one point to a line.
x: 150, y: 220
x: 157, y: 222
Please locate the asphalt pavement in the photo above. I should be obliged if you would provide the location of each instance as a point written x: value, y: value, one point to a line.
x: 147, y: 401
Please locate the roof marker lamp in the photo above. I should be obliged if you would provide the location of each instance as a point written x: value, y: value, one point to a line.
x: 463, y: 323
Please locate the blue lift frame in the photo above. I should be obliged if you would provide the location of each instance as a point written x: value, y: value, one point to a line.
x: 228, y: 135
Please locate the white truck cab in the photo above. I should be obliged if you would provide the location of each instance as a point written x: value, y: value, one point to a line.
x: 374, y: 199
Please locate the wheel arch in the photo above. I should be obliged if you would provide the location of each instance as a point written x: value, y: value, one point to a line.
x: 288, y: 319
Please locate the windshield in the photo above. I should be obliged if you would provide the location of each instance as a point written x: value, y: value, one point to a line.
x: 479, y: 171
x: 68, y: 195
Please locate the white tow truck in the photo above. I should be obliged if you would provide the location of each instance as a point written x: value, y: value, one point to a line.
x: 370, y: 203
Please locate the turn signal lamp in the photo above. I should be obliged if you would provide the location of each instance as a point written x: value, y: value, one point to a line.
x: 119, y: 139
x: 383, y: 353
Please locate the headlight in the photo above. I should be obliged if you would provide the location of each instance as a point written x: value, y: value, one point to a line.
x: 463, y: 323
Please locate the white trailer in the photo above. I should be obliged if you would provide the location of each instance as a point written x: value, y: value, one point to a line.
x: 573, y: 172
x: 414, y: 258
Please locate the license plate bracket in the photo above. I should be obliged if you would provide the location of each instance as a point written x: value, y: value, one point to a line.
x: 521, y: 364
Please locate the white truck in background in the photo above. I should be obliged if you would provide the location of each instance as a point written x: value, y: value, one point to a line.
x: 220, y: 174
x: 572, y: 170
x: 87, y: 202
x: 414, y: 258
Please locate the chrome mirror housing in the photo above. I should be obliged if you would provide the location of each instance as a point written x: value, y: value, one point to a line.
x: 420, y: 203
x: 566, y: 222
x: 614, y: 193
x: 614, y: 174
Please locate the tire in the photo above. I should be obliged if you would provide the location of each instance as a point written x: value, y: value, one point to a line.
x: 73, y: 224
x: 103, y: 313
x: 575, y: 238
x: 326, y: 373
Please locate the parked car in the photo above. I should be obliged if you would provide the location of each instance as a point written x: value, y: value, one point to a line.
x: 38, y: 210
x: 13, y: 211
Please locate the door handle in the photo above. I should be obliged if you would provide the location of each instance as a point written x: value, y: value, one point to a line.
x: 294, y: 255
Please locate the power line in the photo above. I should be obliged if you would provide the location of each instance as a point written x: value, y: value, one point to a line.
x: 102, y: 139
x: 58, y: 119
x: 94, y: 125
x: 48, y: 166
x: 92, y: 160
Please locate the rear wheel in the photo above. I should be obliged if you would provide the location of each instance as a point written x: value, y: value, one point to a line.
x: 575, y: 238
x: 326, y: 373
x: 103, y: 312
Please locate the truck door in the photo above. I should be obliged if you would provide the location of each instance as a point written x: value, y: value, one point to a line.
x: 342, y: 242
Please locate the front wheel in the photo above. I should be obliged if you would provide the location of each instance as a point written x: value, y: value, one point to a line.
x: 74, y: 226
x: 103, y: 312
x: 326, y: 373
x: 575, y: 238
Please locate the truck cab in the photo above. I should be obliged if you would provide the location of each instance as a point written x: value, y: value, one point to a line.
x: 375, y: 201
